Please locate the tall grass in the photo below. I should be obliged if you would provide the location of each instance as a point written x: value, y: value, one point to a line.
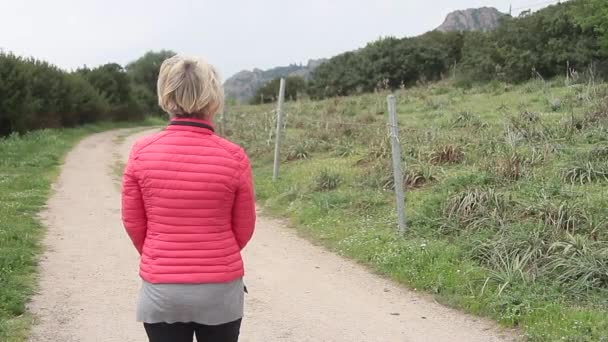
x: 501, y: 180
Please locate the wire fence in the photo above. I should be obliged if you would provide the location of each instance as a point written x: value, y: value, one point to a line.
x: 275, y: 122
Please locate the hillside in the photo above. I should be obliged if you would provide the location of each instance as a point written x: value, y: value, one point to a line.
x: 243, y: 84
x: 483, y: 19
x: 506, y: 194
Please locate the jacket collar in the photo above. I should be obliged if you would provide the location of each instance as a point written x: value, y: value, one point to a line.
x: 192, y: 125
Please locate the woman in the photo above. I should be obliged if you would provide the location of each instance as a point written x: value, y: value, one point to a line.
x: 188, y: 206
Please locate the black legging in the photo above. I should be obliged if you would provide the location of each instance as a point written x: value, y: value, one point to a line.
x: 184, y: 332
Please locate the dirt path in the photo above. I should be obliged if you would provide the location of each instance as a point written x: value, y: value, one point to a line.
x: 298, y: 292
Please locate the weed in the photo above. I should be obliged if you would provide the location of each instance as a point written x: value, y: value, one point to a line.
x: 447, y: 154
x: 327, y: 180
x: 367, y: 118
x: 418, y: 177
x: 597, y: 114
x: 377, y: 175
x: 508, y: 268
x: 344, y: 149
x: 579, y: 263
x: 529, y: 116
x: 298, y: 151
x: 476, y: 208
x: 526, y: 127
x: 598, y: 153
x: 561, y: 216
x: 379, y: 149
x: 380, y: 176
x: 466, y: 119
x: 555, y: 104
x: 585, y: 173
x: 511, y: 167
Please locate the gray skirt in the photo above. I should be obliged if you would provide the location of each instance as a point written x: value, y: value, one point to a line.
x: 209, y: 304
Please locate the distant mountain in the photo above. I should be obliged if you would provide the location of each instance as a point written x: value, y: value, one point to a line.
x: 473, y: 19
x: 242, y: 85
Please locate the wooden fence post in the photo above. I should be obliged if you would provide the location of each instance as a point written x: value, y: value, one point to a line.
x: 396, y: 156
x: 277, y: 146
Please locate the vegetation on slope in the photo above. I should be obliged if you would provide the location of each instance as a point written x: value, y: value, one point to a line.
x: 506, y: 194
x: 570, y: 38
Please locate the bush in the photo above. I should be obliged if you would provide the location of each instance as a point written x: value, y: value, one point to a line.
x: 539, y: 45
x: 448, y: 154
x: 37, y: 95
x: 585, y: 173
x: 327, y: 180
x: 294, y: 87
x: 476, y: 208
x: 111, y: 80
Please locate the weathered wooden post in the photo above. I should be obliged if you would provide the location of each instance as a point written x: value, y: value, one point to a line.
x: 396, y: 156
x: 277, y: 146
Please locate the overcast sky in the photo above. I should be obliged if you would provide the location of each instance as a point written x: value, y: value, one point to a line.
x: 232, y: 34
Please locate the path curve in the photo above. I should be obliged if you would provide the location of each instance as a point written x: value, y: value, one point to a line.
x: 299, y: 292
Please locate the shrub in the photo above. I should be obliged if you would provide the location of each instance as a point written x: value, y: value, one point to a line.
x: 599, y: 153
x: 327, y: 180
x: 475, y: 208
x: 579, y: 263
x: 585, y: 173
x: 466, y: 119
x: 36, y: 95
x: 417, y: 177
x: 344, y: 149
x: 511, y: 167
x: 447, y: 154
x: 527, y: 126
x: 561, y: 216
x: 298, y: 151
x: 379, y: 149
x: 555, y: 104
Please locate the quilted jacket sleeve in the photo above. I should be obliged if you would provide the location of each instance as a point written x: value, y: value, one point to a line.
x: 243, y: 209
x: 133, y: 213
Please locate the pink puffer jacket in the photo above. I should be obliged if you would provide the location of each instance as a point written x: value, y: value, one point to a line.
x: 188, y: 204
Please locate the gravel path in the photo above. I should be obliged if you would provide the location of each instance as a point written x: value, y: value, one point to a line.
x: 297, y: 292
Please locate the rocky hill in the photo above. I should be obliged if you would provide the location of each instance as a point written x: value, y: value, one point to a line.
x: 473, y: 19
x: 242, y: 85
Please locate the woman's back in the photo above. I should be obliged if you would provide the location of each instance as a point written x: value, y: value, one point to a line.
x: 197, y: 199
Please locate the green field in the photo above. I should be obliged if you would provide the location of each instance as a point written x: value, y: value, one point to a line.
x: 506, y: 194
x: 506, y: 197
x: 28, y: 165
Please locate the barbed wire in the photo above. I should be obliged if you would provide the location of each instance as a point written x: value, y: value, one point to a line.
x: 337, y: 122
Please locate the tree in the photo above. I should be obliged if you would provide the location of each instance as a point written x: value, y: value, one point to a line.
x: 36, y: 94
x: 113, y: 83
x: 591, y: 15
x: 295, y: 86
x: 144, y: 73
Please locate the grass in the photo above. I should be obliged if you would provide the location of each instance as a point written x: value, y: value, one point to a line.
x: 28, y: 165
x: 506, y: 198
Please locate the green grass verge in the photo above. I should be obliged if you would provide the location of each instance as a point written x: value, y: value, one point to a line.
x: 359, y: 224
x: 28, y: 166
x: 506, y: 198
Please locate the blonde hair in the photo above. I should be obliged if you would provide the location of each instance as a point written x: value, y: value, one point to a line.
x: 189, y: 87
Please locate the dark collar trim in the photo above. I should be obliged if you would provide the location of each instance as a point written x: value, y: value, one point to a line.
x: 191, y: 123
